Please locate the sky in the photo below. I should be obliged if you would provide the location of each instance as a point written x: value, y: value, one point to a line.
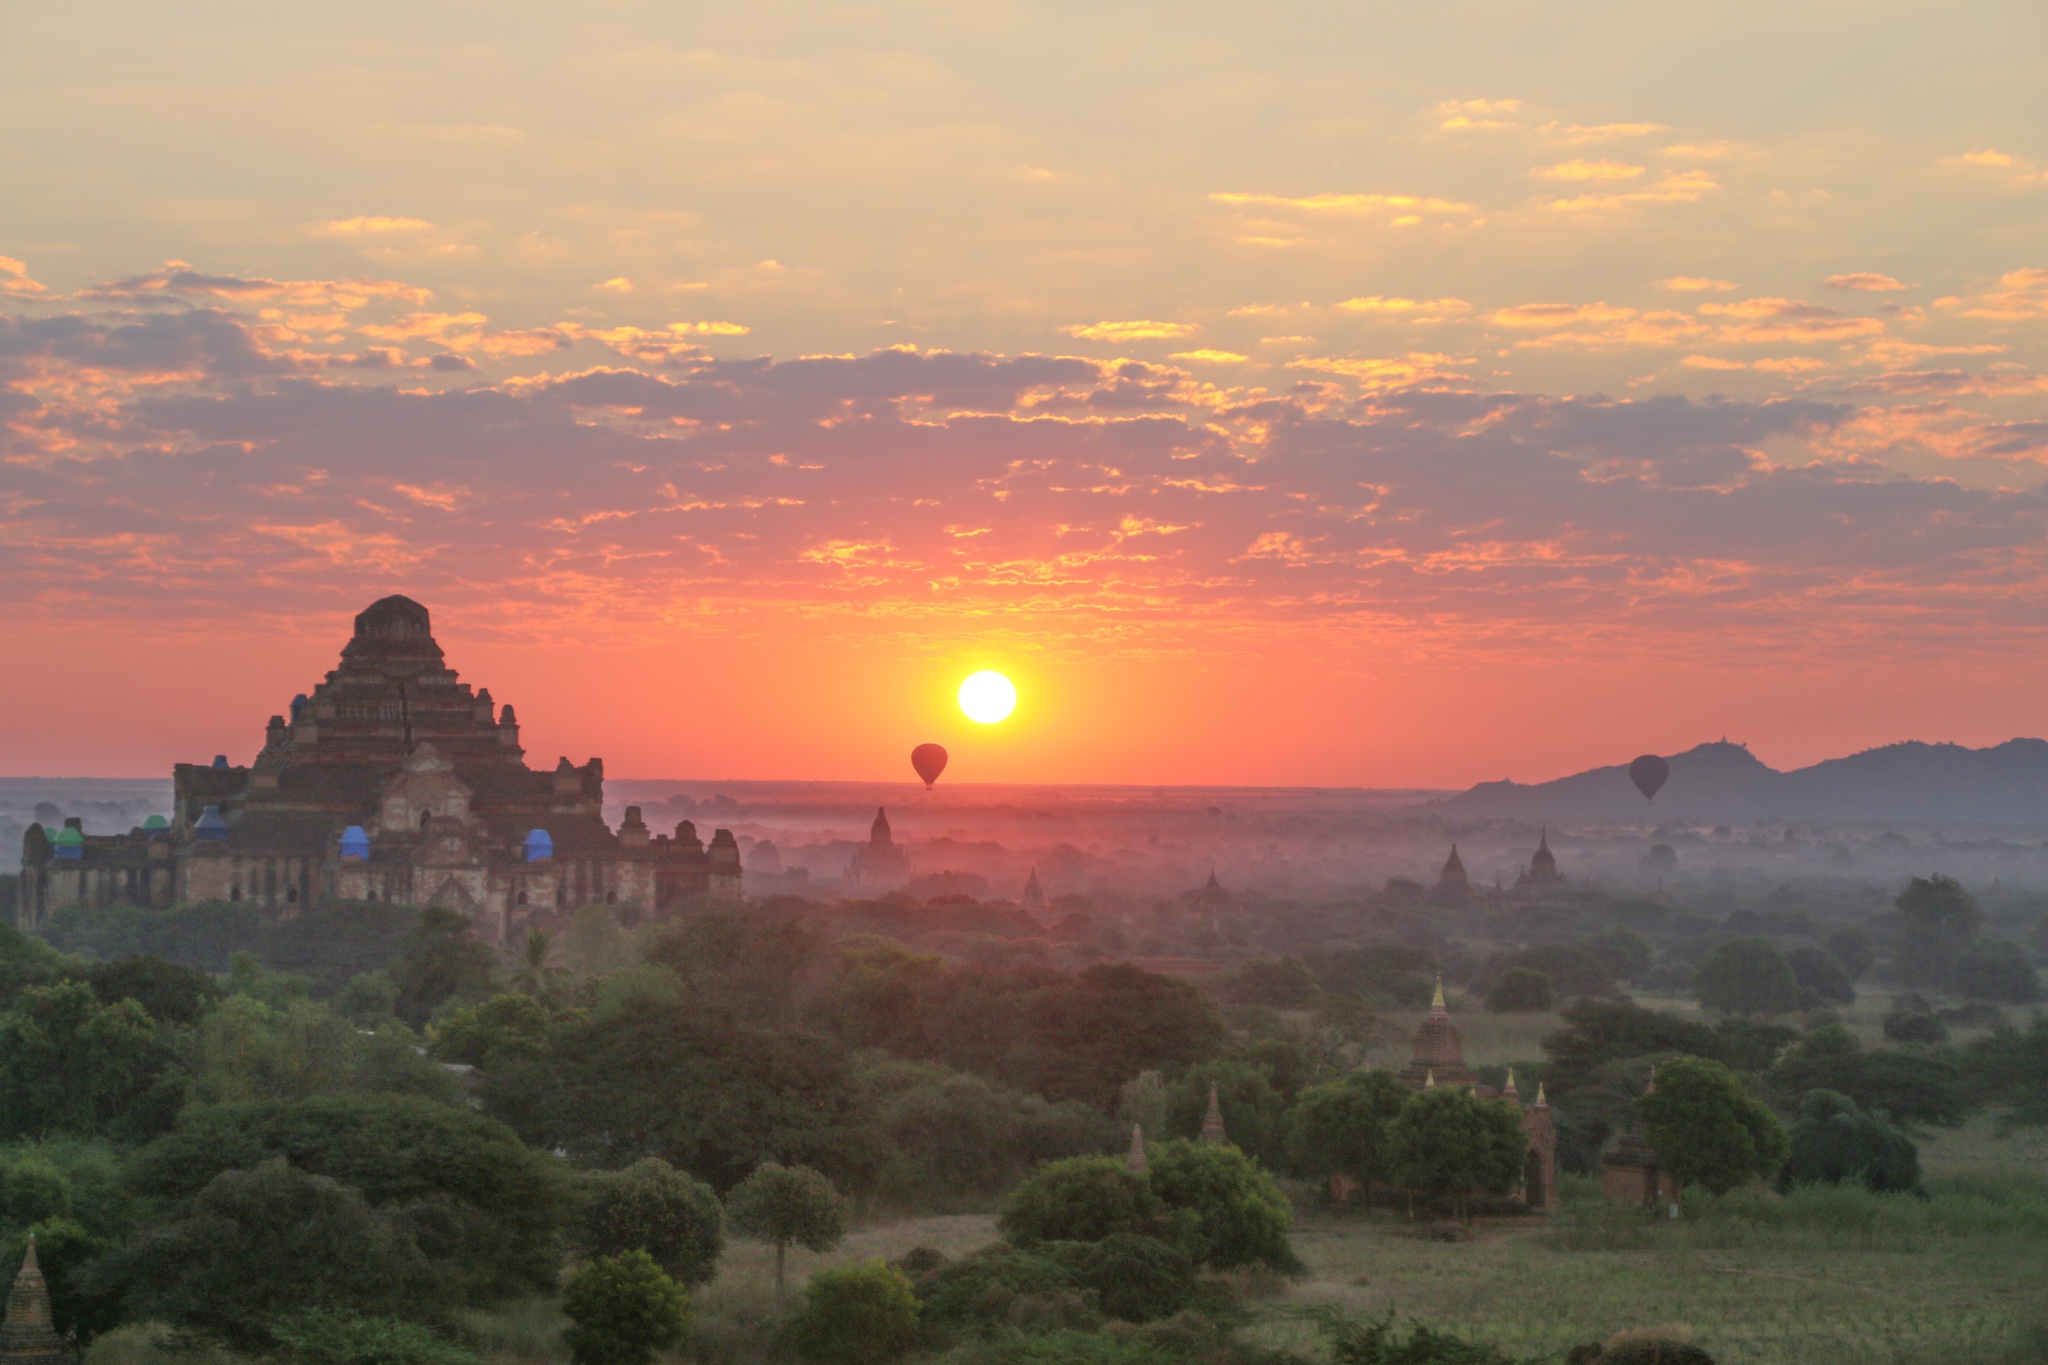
x: 1321, y: 394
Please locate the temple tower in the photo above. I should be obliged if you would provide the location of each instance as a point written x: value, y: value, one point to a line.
x: 29, y: 1335
x: 1212, y: 1122
x: 1439, y: 1052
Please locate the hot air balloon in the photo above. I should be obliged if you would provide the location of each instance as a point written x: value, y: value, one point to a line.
x: 930, y: 761
x: 1649, y: 773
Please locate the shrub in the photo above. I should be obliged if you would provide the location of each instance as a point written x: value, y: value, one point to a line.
x: 1080, y: 1199
x: 1136, y: 1279
x: 1520, y: 989
x: 1228, y: 1210
x: 324, y: 1336
x: 863, y: 1314
x: 652, y: 1207
x: 1377, y: 1341
x: 624, y: 1311
x: 980, y: 1288
x: 1833, y: 1140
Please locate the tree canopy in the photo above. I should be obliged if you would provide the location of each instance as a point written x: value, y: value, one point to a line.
x: 1707, y: 1129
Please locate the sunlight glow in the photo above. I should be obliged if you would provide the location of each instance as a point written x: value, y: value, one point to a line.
x: 988, y: 697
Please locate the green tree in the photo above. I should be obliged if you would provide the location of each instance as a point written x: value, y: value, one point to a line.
x: 1447, y: 1144
x: 2011, y: 1067
x: 1746, y: 976
x: 781, y: 1205
x: 1997, y: 969
x: 1938, y: 918
x: 1134, y: 1278
x: 262, y: 1244
x: 1080, y: 1199
x: 73, y: 1066
x: 1520, y: 989
x: 534, y: 969
x: 328, y: 1336
x: 333, y: 943
x: 1821, y: 977
x: 1911, y: 1085
x: 440, y: 961
x: 1342, y: 1127
x: 1254, y: 1111
x: 860, y: 1314
x: 1225, y: 1208
x: 1282, y: 982
x: 502, y: 1028
x: 1851, y: 949
x: 624, y: 1311
x: 1086, y: 1037
x: 1833, y: 1140
x: 1628, y: 954
x: 487, y: 1207
x: 169, y: 992
x: 1707, y: 1129
x: 652, y: 1207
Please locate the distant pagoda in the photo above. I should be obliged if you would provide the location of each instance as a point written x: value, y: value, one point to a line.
x: 29, y: 1336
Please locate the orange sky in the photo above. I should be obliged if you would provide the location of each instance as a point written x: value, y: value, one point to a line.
x: 1336, y: 394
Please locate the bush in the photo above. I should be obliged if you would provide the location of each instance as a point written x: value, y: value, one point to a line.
x: 1377, y: 1341
x: 980, y: 1289
x: 1914, y: 1026
x: 325, y: 1336
x: 1227, y: 1210
x: 1080, y: 1199
x: 651, y: 1207
x: 1833, y: 1140
x: 1520, y: 989
x: 1746, y: 976
x: 1135, y: 1279
x: 624, y: 1311
x: 863, y: 1314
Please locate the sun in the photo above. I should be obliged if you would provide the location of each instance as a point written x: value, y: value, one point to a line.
x: 988, y: 697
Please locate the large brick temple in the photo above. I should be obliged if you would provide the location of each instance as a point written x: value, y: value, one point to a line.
x: 391, y: 782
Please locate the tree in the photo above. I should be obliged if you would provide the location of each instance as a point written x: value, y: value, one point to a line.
x: 1746, y: 976
x: 1911, y: 1085
x: 703, y: 1090
x: 1342, y: 1128
x: 1997, y: 969
x: 1227, y: 1211
x: 1134, y: 1278
x: 1448, y: 1143
x: 441, y: 961
x: 1851, y: 949
x: 1281, y: 982
x: 2011, y: 1067
x: 167, y: 991
x: 1707, y: 1129
x: 1080, y: 1199
x: 70, y: 1065
x: 1088, y: 1036
x: 1939, y: 917
x: 1519, y: 990
x: 861, y: 1314
x: 785, y: 1204
x: 1628, y: 954
x: 262, y: 1244
x: 1833, y: 1140
x: 534, y: 969
x: 1254, y: 1113
x: 652, y: 1207
x: 502, y: 1028
x: 624, y: 1311
x: 1573, y: 968
x: 487, y: 1207
x: 1820, y: 977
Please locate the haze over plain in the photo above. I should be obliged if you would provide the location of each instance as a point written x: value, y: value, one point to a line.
x: 1327, y: 394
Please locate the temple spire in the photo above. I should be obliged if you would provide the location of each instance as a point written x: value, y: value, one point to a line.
x: 29, y: 1336
x: 1436, y: 1001
x: 1137, y: 1162
x: 1212, y: 1122
x: 1429, y: 1079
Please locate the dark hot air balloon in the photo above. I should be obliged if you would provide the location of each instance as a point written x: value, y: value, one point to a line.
x: 1649, y: 773
x: 930, y: 761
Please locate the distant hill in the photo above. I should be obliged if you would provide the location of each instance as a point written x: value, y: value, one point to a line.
x: 1909, y: 783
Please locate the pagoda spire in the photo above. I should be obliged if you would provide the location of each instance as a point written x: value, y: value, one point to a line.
x: 1429, y: 1079
x: 29, y: 1335
x: 1436, y: 1001
x: 1212, y: 1122
x: 1137, y: 1163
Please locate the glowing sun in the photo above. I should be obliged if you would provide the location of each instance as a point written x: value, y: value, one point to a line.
x: 988, y: 697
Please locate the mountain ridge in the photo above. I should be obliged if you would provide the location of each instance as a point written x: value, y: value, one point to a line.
x: 1908, y: 782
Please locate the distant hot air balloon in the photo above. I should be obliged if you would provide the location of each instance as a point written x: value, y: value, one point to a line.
x: 930, y: 761
x: 1649, y: 773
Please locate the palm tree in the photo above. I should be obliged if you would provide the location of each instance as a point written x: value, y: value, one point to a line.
x: 534, y: 972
